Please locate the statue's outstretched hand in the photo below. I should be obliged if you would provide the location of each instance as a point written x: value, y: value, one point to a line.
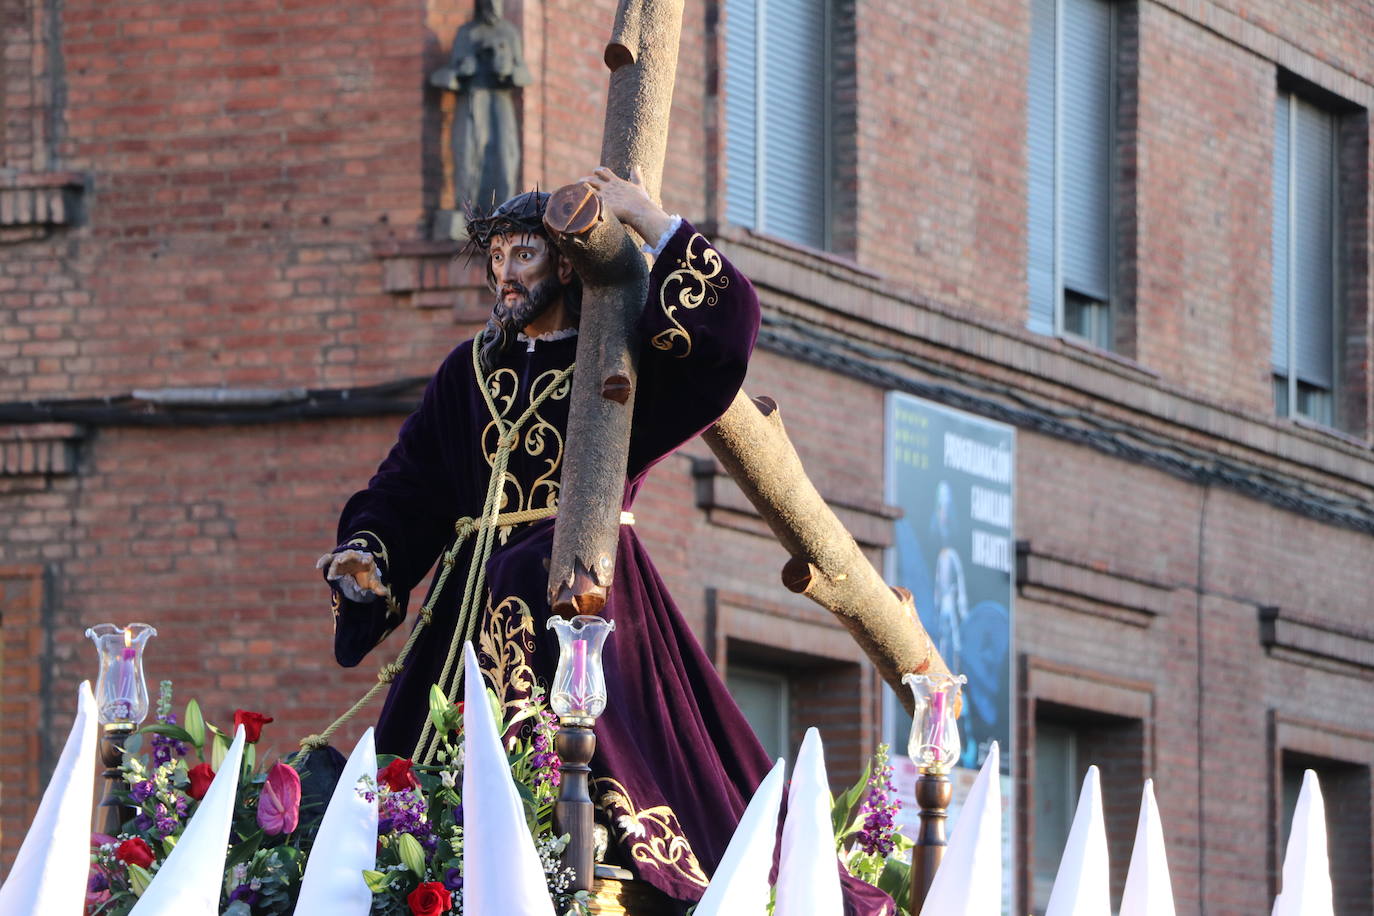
x: 356, y: 573
x: 629, y: 201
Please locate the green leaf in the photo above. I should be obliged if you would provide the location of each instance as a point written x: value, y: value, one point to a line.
x: 219, y: 747
x: 250, y: 757
x: 245, y: 850
x: 412, y: 854
x: 170, y: 731
x: 495, y: 703
x: 845, y: 808
x: 139, y: 879
x: 377, y: 881
x: 195, y: 724
x: 169, y: 843
x: 896, y: 879
x: 438, y: 708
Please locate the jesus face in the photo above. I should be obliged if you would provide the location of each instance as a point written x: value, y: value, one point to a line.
x: 529, y: 275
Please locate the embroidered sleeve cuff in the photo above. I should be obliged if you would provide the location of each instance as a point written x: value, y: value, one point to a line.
x: 656, y: 249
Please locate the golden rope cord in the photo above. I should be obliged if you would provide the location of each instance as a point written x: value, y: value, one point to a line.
x: 485, y: 528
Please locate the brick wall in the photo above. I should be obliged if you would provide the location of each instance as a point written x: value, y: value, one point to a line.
x: 246, y: 191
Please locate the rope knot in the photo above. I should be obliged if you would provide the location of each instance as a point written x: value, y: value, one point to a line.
x: 507, y: 441
x: 426, y: 616
x: 314, y: 742
x: 463, y: 526
x: 387, y: 673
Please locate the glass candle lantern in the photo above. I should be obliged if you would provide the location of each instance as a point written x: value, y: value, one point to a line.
x: 934, y: 742
x: 578, y: 694
x: 121, y: 694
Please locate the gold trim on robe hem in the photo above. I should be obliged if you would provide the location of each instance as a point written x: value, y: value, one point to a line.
x: 505, y: 642
x: 652, y: 835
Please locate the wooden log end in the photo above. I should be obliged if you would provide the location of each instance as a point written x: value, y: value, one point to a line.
x: 618, y: 55
x: 797, y: 575
x: 580, y: 594
x: 573, y: 209
x: 616, y: 388
x: 766, y: 405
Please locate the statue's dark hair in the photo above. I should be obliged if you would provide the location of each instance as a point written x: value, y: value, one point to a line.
x: 521, y: 215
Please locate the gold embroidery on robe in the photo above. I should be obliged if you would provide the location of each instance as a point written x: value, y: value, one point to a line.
x: 539, y: 439
x: 504, y: 646
x: 695, y: 282
x: 652, y: 835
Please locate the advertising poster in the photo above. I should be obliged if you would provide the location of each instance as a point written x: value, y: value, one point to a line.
x: 952, y: 475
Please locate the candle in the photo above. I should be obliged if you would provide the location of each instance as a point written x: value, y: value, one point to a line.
x: 124, y: 676
x: 937, y: 733
x: 579, y: 674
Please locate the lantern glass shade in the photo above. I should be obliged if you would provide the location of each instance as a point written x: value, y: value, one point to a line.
x: 934, y: 743
x: 578, y: 692
x: 121, y: 693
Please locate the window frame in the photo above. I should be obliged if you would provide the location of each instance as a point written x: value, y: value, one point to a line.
x: 1105, y: 318
x: 758, y: 204
x: 1288, y: 405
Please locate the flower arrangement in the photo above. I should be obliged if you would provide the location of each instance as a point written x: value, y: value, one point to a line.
x: 168, y: 766
x: 864, y: 820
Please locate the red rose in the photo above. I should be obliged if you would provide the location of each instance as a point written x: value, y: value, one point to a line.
x: 201, y: 776
x: 396, y: 776
x: 252, y: 723
x: 430, y: 898
x: 134, y: 851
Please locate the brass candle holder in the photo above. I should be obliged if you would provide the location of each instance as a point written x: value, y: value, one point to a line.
x: 577, y: 696
x: 121, y: 697
x: 934, y: 748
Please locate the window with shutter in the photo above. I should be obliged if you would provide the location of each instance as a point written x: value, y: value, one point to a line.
x: 1304, y: 260
x: 777, y: 117
x: 1071, y: 125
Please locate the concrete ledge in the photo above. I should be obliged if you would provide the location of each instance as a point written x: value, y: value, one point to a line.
x: 1288, y: 635
x: 1090, y: 589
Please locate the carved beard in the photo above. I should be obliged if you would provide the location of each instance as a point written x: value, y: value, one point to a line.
x: 508, y: 320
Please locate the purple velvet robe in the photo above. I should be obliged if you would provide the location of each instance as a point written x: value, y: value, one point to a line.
x: 675, y: 762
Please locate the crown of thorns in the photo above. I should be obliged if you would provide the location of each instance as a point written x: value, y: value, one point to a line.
x: 522, y: 214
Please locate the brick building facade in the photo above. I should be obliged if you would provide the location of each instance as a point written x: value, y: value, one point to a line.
x: 239, y: 194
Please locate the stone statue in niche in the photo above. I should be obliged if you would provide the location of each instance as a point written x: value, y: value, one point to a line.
x: 485, y: 68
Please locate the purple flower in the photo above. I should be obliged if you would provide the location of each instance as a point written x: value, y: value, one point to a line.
x: 164, y: 748
x: 245, y: 893
x: 163, y: 821
x: 879, y: 808
x: 544, y: 760
x: 453, y: 879
x: 142, y: 791
x: 404, y: 811
x: 100, y: 882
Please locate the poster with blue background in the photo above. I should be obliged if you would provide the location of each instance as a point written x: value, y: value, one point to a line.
x: 952, y: 474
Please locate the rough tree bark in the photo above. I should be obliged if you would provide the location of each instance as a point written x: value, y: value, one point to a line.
x: 749, y: 440
x: 826, y: 565
x: 642, y: 56
x: 615, y: 283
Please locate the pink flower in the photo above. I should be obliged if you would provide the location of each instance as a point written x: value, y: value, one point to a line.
x: 279, y: 804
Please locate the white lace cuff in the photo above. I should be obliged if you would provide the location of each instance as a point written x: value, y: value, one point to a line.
x: 674, y: 221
